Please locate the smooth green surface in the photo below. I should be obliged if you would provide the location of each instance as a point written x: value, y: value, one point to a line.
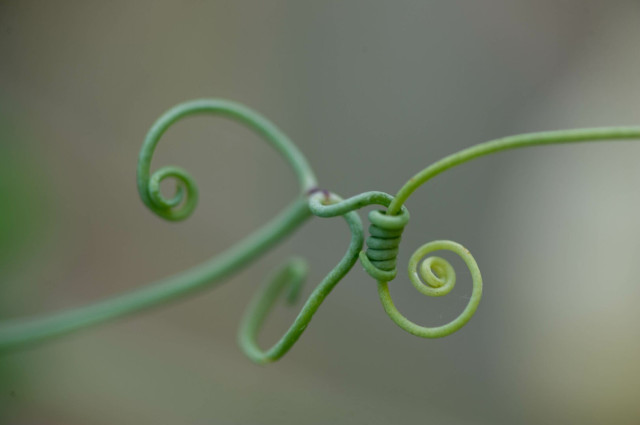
x: 184, y: 202
x: 17, y: 333
x: 434, y: 287
x: 432, y: 276
x: 437, y: 284
x: 293, y: 275
x: 507, y: 143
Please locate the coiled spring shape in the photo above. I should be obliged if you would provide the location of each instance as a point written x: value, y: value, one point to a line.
x: 432, y: 276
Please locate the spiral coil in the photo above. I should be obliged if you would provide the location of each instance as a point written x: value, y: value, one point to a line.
x: 432, y: 276
x: 379, y: 260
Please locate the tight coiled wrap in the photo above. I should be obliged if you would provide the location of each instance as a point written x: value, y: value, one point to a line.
x: 432, y: 276
x: 380, y: 258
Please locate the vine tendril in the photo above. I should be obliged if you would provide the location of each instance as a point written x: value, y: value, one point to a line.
x: 292, y: 275
x: 433, y: 276
x: 439, y: 279
x: 379, y: 260
x: 21, y: 332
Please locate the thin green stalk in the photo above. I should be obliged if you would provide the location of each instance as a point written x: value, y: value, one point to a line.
x: 507, y: 143
x: 432, y: 276
x: 292, y: 276
x: 15, y: 334
x: 18, y: 333
x: 185, y: 200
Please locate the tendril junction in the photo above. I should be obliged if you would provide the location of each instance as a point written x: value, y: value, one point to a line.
x: 432, y: 276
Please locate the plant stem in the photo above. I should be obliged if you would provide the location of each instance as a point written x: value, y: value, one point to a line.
x: 18, y: 333
x: 506, y: 143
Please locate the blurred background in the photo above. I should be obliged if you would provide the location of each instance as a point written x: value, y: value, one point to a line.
x: 371, y: 92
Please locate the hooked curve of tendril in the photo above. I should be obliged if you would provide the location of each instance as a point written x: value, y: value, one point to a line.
x: 432, y: 276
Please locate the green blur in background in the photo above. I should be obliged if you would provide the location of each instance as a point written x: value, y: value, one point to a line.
x: 371, y: 92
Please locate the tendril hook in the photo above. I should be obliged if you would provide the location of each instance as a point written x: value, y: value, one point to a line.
x: 431, y: 276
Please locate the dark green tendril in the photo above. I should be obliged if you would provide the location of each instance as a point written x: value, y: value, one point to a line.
x: 432, y: 276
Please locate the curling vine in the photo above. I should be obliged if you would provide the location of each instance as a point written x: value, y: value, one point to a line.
x: 432, y: 276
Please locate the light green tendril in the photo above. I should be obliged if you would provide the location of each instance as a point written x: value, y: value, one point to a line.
x: 17, y: 333
x: 433, y: 276
x: 293, y: 275
x: 439, y: 277
x: 187, y: 191
x: 437, y: 272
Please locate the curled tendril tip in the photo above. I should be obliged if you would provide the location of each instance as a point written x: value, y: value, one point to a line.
x: 430, y: 275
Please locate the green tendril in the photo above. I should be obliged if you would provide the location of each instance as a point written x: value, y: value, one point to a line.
x: 186, y: 198
x: 22, y: 332
x: 507, y: 143
x: 437, y: 273
x: 293, y: 275
x: 439, y: 279
x: 432, y: 276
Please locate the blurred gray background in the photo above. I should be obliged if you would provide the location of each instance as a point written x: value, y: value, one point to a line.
x: 371, y: 92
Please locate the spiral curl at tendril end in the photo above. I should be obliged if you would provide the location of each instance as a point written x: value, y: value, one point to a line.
x: 430, y: 275
x: 182, y: 204
x: 435, y: 276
